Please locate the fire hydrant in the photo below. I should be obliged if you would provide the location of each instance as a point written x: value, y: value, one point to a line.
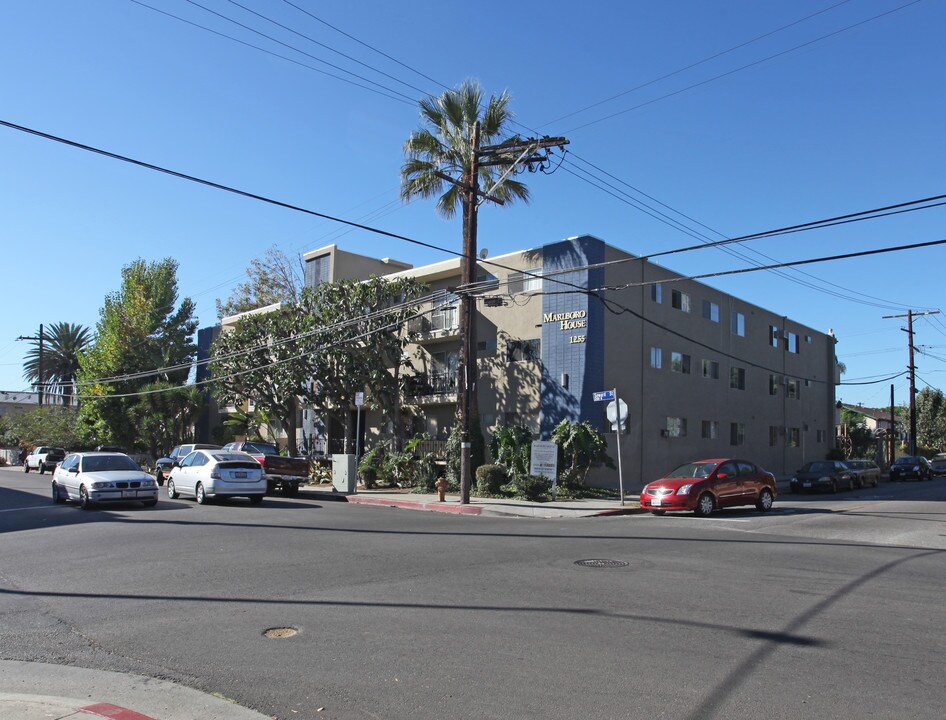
x: 441, y: 486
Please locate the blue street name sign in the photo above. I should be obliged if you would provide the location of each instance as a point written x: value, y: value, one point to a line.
x: 604, y: 395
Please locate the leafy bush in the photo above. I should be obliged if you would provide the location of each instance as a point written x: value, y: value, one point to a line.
x: 532, y: 487
x: 511, y: 446
x: 490, y: 478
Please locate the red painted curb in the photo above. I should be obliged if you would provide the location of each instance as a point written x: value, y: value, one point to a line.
x: 106, y: 710
x: 417, y: 505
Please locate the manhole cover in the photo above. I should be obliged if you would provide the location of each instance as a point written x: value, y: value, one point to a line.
x: 278, y: 633
x: 598, y: 563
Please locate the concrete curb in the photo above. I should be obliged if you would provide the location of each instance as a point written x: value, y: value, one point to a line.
x: 435, y: 506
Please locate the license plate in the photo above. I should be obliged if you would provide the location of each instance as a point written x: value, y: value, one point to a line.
x: 655, y: 502
x: 130, y: 493
x: 239, y: 475
x: 807, y: 484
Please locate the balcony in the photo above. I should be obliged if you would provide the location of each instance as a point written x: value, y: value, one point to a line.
x: 437, y: 388
x: 440, y: 324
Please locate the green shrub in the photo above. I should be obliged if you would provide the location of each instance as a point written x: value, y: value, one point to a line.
x: 532, y: 487
x: 490, y: 478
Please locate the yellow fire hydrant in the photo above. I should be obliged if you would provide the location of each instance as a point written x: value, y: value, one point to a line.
x: 441, y: 486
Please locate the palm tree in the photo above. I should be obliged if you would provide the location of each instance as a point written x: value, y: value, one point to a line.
x: 442, y: 151
x: 63, y: 344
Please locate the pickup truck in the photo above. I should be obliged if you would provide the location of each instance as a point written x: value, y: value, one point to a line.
x: 282, y: 473
x: 44, y: 458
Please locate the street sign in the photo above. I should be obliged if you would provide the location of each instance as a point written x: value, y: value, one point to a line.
x: 616, y: 411
x: 603, y: 395
x: 543, y: 460
x: 359, y: 399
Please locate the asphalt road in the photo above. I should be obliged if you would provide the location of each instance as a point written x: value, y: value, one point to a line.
x: 828, y: 607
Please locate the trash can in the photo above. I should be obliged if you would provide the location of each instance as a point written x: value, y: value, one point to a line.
x: 344, y: 473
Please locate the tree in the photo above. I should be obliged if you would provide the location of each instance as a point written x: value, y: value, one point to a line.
x: 447, y: 150
x: 340, y: 338
x: 140, y: 339
x: 931, y: 419
x: 445, y: 147
x: 63, y: 344
x: 582, y: 445
x: 273, y: 278
x: 58, y: 426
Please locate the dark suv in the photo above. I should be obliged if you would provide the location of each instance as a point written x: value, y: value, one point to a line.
x: 162, y: 469
x: 911, y: 467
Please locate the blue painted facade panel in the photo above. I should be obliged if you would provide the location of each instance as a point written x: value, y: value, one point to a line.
x: 569, y: 315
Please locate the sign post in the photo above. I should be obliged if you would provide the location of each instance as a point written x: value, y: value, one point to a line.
x: 543, y: 460
x: 617, y: 414
x: 359, y: 401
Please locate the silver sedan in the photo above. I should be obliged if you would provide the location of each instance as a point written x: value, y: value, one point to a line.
x: 206, y: 474
x: 99, y: 477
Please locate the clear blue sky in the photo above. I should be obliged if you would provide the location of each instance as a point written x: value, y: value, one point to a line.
x: 836, y: 113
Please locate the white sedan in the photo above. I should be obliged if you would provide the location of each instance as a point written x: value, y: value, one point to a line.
x: 100, y: 477
x: 205, y: 474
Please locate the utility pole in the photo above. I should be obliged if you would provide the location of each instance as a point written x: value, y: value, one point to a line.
x: 912, y: 368
x: 509, y: 155
x: 40, y: 384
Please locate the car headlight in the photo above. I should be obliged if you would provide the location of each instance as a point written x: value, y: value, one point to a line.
x: 148, y: 483
x: 916, y: 468
x: 826, y: 478
x: 684, y: 489
x: 101, y: 485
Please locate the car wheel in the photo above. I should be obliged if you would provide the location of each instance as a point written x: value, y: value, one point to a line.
x: 42, y: 468
x: 159, y: 478
x: 85, y: 502
x: 256, y: 499
x: 150, y: 503
x: 705, y: 505
x: 57, y: 498
x: 26, y: 467
x: 850, y: 483
x: 834, y: 486
x: 172, y: 491
x: 765, y: 500
x: 290, y: 489
x: 201, y: 495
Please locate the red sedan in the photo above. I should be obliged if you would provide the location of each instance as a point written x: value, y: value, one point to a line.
x: 703, y: 486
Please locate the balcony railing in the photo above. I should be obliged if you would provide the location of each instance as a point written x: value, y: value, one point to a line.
x: 436, y: 325
x: 432, y: 387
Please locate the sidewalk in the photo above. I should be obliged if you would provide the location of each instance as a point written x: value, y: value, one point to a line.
x: 479, y: 506
x: 40, y: 691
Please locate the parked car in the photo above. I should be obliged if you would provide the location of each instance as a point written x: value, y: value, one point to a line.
x: 867, y: 472
x: 939, y: 464
x: 206, y: 474
x: 703, y: 486
x: 43, y: 458
x: 911, y: 467
x: 90, y: 478
x: 831, y: 475
x: 163, y: 466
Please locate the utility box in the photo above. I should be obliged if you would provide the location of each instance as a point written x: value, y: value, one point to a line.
x: 344, y: 473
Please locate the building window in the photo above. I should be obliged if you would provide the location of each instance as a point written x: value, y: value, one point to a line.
x: 680, y: 363
x: 711, y: 311
x: 774, y: 381
x: 520, y: 282
x: 710, y: 429
x: 657, y: 293
x: 737, y: 323
x: 792, y: 343
x: 821, y: 435
x: 793, y: 437
x: 679, y: 300
x: 445, y: 310
x: 791, y: 389
x: 737, y: 433
x: 773, y: 435
x: 676, y: 427
x: 523, y: 350
x: 317, y: 270
x: 773, y: 335
x: 737, y: 378
x: 656, y: 358
x: 711, y: 369
x: 808, y: 339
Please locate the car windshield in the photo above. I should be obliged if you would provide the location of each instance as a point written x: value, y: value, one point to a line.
x: 104, y: 463
x: 818, y: 467
x: 693, y: 470
x: 261, y: 448
x: 907, y: 460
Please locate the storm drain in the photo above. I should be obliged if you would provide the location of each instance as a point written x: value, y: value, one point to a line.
x: 280, y: 633
x: 601, y: 563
